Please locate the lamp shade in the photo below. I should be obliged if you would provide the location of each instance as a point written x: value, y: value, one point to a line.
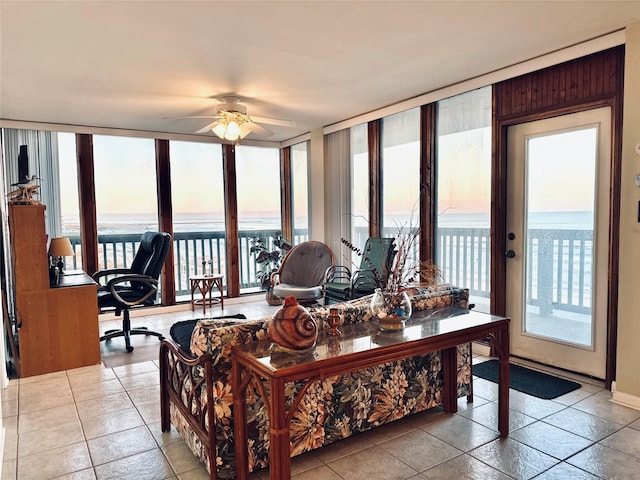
x: 60, y: 247
x: 220, y: 130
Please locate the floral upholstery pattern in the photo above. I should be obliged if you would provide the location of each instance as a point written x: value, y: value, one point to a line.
x: 333, y: 408
x: 422, y: 298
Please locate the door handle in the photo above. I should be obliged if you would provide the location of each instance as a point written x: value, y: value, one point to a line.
x: 509, y: 254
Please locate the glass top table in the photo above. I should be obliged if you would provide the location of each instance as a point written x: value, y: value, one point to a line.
x: 360, y: 345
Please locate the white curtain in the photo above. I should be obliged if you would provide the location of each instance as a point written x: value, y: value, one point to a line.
x: 42, y: 148
x: 338, y: 193
x: 7, y: 269
x: 6, y: 278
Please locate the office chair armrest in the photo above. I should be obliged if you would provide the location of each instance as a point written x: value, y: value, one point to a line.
x: 150, y: 281
x: 112, y: 271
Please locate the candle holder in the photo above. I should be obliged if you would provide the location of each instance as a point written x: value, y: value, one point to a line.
x: 335, y: 320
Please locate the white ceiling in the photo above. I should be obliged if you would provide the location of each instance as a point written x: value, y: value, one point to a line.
x: 128, y: 65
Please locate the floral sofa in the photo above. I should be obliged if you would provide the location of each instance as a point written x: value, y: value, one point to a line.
x: 331, y: 409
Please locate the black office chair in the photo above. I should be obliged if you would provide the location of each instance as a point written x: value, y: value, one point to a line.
x: 135, y: 286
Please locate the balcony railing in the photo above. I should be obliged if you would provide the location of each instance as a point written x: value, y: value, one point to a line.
x: 463, y: 255
x: 559, y: 273
x: 559, y: 265
x: 195, y: 253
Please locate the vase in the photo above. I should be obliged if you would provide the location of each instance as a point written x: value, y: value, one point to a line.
x: 392, y: 309
x: 272, y: 299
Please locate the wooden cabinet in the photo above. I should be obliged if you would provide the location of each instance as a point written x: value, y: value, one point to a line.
x: 57, y: 327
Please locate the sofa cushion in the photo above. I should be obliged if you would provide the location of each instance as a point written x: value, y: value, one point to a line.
x: 181, y: 333
x: 284, y: 290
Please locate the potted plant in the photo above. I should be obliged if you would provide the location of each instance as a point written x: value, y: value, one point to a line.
x: 269, y: 261
x: 390, y: 302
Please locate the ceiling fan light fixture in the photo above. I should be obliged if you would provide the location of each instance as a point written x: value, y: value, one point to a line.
x: 233, y: 130
x: 220, y: 130
x: 232, y: 123
x: 228, y: 129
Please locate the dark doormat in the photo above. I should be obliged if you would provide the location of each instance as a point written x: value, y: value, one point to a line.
x: 528, y: 381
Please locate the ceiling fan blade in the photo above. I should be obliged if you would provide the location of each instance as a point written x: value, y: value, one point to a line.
x: 244, y: 130
x: 192, y: 116
x: 208, y: 127
x: 255, y: 128
x: 273, y: 121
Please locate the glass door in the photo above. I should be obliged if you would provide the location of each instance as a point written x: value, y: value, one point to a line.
x: 558, y: 235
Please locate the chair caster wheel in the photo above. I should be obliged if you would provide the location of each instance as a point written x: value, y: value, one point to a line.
x: 129, y: 348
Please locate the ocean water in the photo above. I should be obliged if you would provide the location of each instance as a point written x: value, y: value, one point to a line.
x: 578, y: 220
x: 134, y: 223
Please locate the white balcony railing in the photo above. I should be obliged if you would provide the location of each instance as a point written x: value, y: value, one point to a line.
x: 559, y: 265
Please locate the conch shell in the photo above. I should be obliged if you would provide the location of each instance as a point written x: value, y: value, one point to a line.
x: 292, y: 327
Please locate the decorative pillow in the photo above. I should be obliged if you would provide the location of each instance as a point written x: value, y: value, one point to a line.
x: 422, y: 298
x: 352, y: 311
x: 438, y: 296
x: 216, y: 336
x: 181, y: 331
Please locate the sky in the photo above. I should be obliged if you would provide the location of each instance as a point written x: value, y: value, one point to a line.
x: 561, y: 175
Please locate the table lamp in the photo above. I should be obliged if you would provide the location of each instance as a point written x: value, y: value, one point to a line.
x: 60, y: 247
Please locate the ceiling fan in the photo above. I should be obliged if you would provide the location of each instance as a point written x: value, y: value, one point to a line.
x: 231, y: 121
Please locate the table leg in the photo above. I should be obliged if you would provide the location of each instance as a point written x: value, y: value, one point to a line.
x: 239, y: 423
x: 450, y: 374
x: 470, y: 395
x: 503, y: 386
x: 210, y: 284
x: 219, y: 285
x: 203, y: 291
x: 279, y: 436
x: 193, y: 288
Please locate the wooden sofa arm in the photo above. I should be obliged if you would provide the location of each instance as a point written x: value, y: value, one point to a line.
x: 177, y: 377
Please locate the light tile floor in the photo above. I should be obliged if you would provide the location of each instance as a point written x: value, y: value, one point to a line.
x: 104, y: 423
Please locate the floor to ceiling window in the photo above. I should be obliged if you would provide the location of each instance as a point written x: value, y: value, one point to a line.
x: 68, y: 191
x: 300, y: 191
x: 197, y: 197
x: 359, y: 186
x: 259, y: 200
x: 464, y: 192
x: 401, y: 175
x: 126, y: 198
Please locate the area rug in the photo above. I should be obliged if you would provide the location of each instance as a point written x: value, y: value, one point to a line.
x: 528, y: 381
x: 115, y: 355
